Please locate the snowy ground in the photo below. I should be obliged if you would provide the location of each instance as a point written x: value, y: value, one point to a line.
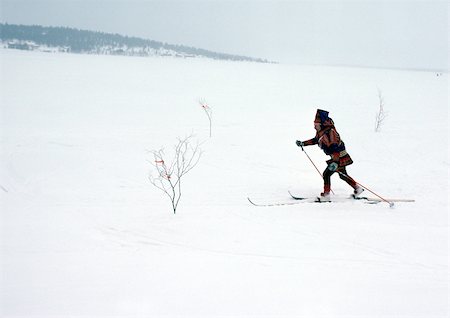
x: 84, y: 233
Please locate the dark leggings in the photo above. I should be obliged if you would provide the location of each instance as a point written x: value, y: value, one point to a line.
x: 343, y: 175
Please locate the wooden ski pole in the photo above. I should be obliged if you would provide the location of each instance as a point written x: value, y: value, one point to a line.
x: 301, y: 146
x: 391, y: 204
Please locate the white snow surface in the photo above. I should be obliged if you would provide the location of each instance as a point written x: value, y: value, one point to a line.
x: 85, y: 234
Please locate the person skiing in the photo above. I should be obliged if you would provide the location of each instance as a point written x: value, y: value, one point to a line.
x: 330, y: 142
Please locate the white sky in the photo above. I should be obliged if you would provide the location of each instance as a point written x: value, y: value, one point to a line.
x: 400, y: 34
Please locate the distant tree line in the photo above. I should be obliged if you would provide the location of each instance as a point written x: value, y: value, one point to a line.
x: 83, y: 41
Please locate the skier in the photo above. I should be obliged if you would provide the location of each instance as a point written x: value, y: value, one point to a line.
x: 330, y: 142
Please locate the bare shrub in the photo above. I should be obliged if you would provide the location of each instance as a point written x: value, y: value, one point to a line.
x: 381, y: 114
x: 208, y: 112
x: 169, y: 172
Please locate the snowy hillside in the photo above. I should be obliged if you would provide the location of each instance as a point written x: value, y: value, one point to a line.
x: 63, y: 39
x: 84, y: 233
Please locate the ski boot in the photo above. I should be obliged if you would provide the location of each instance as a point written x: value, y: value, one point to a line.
x: 358, y: 190
x: 324, y: 197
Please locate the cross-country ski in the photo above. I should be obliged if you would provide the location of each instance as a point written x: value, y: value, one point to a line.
x: 352, y: 197
x: 333, y: 199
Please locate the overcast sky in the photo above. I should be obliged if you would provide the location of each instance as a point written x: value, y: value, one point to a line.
x: 400, y: 34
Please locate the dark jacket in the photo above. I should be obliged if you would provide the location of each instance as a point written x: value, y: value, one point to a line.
x: 329, y: 140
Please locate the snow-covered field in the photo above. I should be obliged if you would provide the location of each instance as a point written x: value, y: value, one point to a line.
x: 84, y: 233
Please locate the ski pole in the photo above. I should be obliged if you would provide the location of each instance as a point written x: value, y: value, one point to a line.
x: 301, y: 146
x: 391, y: 204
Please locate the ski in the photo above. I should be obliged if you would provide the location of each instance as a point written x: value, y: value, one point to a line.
x: 275, y: 203
x: 301, y: 201
x: 352, y: 197
x: 296, y: 197
x: 334, y: 199
x: 310, y: 200
x: 337, y: 199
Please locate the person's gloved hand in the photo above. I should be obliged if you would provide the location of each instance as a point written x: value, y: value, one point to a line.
x: 299, y: 143
x: 333, y: 166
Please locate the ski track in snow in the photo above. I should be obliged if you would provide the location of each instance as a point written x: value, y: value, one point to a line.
x: 127, y: 238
